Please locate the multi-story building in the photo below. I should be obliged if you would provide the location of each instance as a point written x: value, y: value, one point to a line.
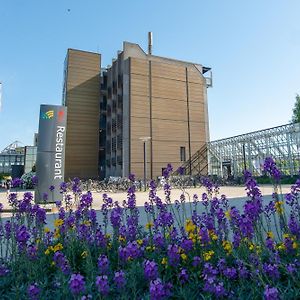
x: 140, y: 95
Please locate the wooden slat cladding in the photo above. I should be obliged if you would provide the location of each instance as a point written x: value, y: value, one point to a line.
x: 140, y: 106
x: 195, y: 76
x: 170, y: 98
x: 163, y: 108
x: 139, y: 66
x: 139, y: 85
x: 83, y: 95
x: 168, y: 88
x: 170, y: 130
x: 170, y: 71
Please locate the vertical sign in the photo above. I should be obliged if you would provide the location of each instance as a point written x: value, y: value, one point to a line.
x: 50, y: 152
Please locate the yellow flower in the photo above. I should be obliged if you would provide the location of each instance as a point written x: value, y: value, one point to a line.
x: 58, y: 222
x: 295, y: 245
x: 108, y: 236
x: 122, y: 239
x: 38, y: 241
x: 87, y: 223
x: 258, y: 249
x: 56, y: 233
x: 278, y: 207
x: 227, y: 246
x: 58, y: 247
x: 47, y: 252
x: 164, y: 261
x: 270, y: 234
x: 251, y: 247
x: 46, y: 230
x: 190, y: 226
x: 84, y: 254
x: 149, y: 225
x: 150, y: 248
x: 183, y: 256
x: 286, y: 236
x: 109, y: 245
x: 212, y: 235
x: 280, y: 246
x: 140, y: 242
x: 227, y: 214
x: 53, y: 264
x: 208, y: 255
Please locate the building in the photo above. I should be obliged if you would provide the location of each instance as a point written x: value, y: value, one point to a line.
x: 140, y: 95
x: 10, y: 156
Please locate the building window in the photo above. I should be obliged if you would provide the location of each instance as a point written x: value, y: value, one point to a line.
x: 182, y: 154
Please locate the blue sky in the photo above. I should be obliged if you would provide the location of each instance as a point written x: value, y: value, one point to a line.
x: 253, y: 48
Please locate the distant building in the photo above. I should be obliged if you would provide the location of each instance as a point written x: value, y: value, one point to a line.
x: 139, y: 95
x: 16, y: 159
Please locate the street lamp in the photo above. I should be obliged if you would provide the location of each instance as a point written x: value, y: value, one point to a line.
x: 145, y: 139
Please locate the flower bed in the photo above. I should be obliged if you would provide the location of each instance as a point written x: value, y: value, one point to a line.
x: 181, y: 253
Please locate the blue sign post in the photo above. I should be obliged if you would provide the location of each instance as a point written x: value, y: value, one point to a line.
x: 50, y: 153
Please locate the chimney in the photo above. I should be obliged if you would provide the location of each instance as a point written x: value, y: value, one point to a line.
x: 150, y: 42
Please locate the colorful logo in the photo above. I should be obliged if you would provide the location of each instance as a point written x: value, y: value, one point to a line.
x: 60, y: 116
x: 47, y: 115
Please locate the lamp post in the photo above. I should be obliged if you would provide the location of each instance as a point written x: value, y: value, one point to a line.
x: 145, y: 139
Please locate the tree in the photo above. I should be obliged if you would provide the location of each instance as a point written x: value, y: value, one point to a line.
x: 296, y: 110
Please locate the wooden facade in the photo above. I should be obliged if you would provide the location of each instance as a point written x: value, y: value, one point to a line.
x: 82, y: 94
x: 167, y: 104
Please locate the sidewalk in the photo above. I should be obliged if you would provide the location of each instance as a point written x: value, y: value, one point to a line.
x: 232, y: 192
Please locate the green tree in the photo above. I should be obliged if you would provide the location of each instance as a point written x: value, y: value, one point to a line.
x: 296, y: 110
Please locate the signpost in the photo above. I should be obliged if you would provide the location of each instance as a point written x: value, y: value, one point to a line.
x: 50, y: 153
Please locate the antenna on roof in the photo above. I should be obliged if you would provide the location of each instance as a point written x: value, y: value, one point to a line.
x: 150, y: 42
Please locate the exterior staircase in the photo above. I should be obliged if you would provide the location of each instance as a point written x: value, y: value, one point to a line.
x: 197, y: 165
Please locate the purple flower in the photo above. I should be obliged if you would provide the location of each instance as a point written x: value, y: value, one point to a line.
x: 22, y: 236
x: 77, y: 284
x: 180, y: 170
x: 271, y: 293
x: 196, y: 261
x: 230, y: 273
x: 34, y: 180
x: 33, y: 291
x: 116, y: 216
x: 131, y: 177
x: 86, y: 200
x: 187, y: 245
x: 16, y: 182
x: 103, y: 264
x: 62, y: 262
x: 271, y: 270
x: 158, y: 240
x: 3, y: 270
x: 13, y: 199
x: 219, y: 290
x: 120, y: 279
x: 173, y: 254
x: 51, y: 188
x: 32, y: 252
x: 63, y: 187
x: 167, y: 171
x: 158, y: 290
x: 183, y: 276
x: 150, y: 269
x: 270, y: 168
x: 102, y: 284
x: 40, y: 215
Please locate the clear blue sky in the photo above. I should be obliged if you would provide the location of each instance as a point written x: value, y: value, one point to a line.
x: 253, y: 48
